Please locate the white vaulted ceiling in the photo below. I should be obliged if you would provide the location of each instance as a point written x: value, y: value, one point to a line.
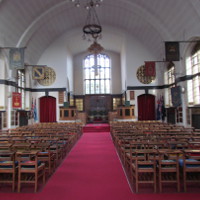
x: 37, y: 23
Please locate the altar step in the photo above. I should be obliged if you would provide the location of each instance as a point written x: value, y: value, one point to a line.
x: 96, y: 128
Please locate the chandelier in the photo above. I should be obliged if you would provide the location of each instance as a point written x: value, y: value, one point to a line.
x: 92, y: 29
x: 87, y: 5
x: 95, y: 48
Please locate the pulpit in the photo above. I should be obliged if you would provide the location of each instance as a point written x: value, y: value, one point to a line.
x: 126, y: 112
x: 68, y: 113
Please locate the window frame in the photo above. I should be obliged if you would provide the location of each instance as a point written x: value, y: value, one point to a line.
x: 97, y: 80
x: 171, y: 81
x: 21, y: 82
x: 193, y: 68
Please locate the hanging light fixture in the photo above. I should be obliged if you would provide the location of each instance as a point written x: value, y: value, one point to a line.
x: 86, y: 4
x: 92, y: 29
x: 95, y: 48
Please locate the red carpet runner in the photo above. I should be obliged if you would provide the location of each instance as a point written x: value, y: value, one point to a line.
x: 91, y: 171
x: 96, y: 128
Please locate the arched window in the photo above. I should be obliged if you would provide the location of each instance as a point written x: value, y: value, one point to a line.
x: 170, y: 80
x: 193, y: 68
x: 97, y: 74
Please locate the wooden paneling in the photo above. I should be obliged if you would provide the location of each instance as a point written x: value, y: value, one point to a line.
x: 98, y: 105
x: 98, y: 102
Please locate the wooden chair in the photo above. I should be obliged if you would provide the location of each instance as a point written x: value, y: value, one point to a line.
x: 57, y: 151
x: 48, y: 158
x: 30, y: 169
x: 128, y: 153
x: 8, y: 168
x: 191, y: 167
x: 168, y: 168
x: 143, y: 167
x: 21, y: 146
x: 6, y: 146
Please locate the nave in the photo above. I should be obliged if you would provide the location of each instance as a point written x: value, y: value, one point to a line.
x: 92, y: 170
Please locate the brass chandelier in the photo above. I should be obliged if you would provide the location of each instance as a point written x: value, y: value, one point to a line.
x: 92, y: 29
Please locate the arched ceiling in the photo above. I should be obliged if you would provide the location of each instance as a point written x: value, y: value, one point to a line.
x: 37, y: 23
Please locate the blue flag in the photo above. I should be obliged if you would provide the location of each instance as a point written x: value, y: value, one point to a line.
x: 35, y: 111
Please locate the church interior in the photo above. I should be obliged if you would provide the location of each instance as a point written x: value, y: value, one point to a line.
x: 86, y: 84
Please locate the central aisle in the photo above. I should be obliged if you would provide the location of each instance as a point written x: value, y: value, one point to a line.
x: 92, y: 171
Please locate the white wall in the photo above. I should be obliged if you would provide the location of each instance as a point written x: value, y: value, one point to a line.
x: 57, y: 57
x: 136, y: 54
x: 70, y: 73
x: 123, y: 67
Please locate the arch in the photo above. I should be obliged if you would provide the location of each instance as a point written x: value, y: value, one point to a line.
x: 47, y: 109
x: 146, y: 107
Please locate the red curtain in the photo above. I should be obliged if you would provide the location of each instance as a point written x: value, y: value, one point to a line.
x: 146, y: 107
x: 47, y: 109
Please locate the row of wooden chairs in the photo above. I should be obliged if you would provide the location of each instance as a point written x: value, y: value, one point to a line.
x: 170, y: 166
x: 25, y: 157
x: 158, y: 159
x: 26, y: 167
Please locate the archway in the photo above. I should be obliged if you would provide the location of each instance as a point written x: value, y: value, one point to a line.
x: 47, y: 109
x: 146, y: 107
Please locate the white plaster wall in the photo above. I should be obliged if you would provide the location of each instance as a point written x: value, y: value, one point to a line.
x: 55, y: 56
x: 70, y: 74
x: 123, y: 67
x: 136, y: 55
x: 116, y: 72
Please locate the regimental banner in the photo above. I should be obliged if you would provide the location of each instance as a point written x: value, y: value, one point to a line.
x: 16, y: 100
x: 16, y: 58
x: 38, y: 72
x: 61, y: 97
x: 132, y: 95
x: 176, y: 96
x: 150, y: 68
x: 172, y: 51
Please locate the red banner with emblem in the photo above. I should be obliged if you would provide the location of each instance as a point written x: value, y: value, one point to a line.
x: 16, y: 100
x: 150, y: 68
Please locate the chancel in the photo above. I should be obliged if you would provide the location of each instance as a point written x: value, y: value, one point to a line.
x: 100, y: 99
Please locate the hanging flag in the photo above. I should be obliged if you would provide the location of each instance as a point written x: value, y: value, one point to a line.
x: 16, y: 100
x: 176, y: 96
x: 163, y: 110
x: 35, y: 111
x: 158, y: 110
x: 172, y: 51
x: 16, y: 58
x: 150, y: 68
x: 32, y: 109
x: 38, y: 72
